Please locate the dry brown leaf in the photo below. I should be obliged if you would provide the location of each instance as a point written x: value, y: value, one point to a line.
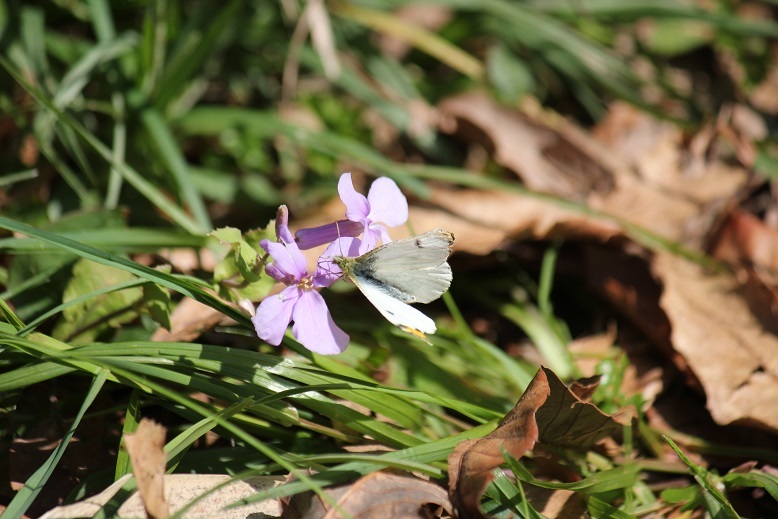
x: 470, y: 465
x: 148, y: 464
x: 730, y: 353
x: 549, y: 155
x: 548, y: 412
x: 746, y: 240
x: 559, y: 504
x: 188, y: 321
x: 751, y: 246
x: 566, y: 419
x: 180, y: 490
x: 640, y: 171
x: 375, y: 496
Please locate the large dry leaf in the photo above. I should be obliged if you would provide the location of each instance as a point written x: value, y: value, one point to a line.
x: 182, y: 489
x: 547, y: 412
x: 549, y: 155
x: 751, y: 247
x: 375, y: 496
x: 188, y: 321
x: 638, y: 171
x: 559, y: 504
x: 145, y: 448
x: 732, y: 356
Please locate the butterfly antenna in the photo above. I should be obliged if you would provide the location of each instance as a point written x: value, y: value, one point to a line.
x: 340, y: 243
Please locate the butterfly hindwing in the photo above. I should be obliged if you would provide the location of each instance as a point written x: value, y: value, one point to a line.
x: 396, y: 312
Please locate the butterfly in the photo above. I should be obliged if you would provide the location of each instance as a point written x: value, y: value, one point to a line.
x: 411, y: 270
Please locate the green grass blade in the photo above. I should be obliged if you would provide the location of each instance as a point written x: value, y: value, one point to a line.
x: 101, y: 19
x: 172, y: 156
x: 599, y: 508
x: 134, y: 239
x: 612, y: 479
x: 132, y: 419
x: 719, y: 501
x: 184, y: 287
x: 78, y: 76
x: 10, y: 315
x: 78, y: 300
x: 29, y: 375
x: 198, y: 40
x: 176, y: 447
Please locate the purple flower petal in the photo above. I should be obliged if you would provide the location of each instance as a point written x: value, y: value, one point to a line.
x: 274, y: 313
x: 287, y: 258
x: 381, y: 230
x: 387, y: 203
x: 282, y: 225
x: 348, y: 247
x: 314, y: 327
x: 369, y: 240
x: 279, y: 275
x: 315, y: 236
x: 357, y: 206
x: 327, y: 271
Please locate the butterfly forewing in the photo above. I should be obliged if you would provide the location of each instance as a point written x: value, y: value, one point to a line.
x: 414, y: 270
x: 430, y: 249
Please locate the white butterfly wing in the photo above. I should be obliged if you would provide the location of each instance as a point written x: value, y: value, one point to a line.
x: 432, y: 248
x: 414, y: 270
x: 396, y: 312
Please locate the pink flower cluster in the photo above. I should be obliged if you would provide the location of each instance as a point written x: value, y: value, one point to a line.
x: 300, y: 301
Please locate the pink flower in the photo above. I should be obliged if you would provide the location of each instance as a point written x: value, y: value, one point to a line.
x: 299, y: 301
x: 385, y: 206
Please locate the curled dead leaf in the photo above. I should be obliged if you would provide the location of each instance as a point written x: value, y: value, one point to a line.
x: 148, y: 464
x: 470, y: 465
x: 548, y: 412
x: 375, y: 496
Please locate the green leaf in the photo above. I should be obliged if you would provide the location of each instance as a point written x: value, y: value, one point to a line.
x: 157, y: 304
x: 673, y: 37
x: 227, y: 234
x: 88, y: 319
x: 687, y: 495
x: 246, y: 253
x: 754, y: 478
x: 601, y: 509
